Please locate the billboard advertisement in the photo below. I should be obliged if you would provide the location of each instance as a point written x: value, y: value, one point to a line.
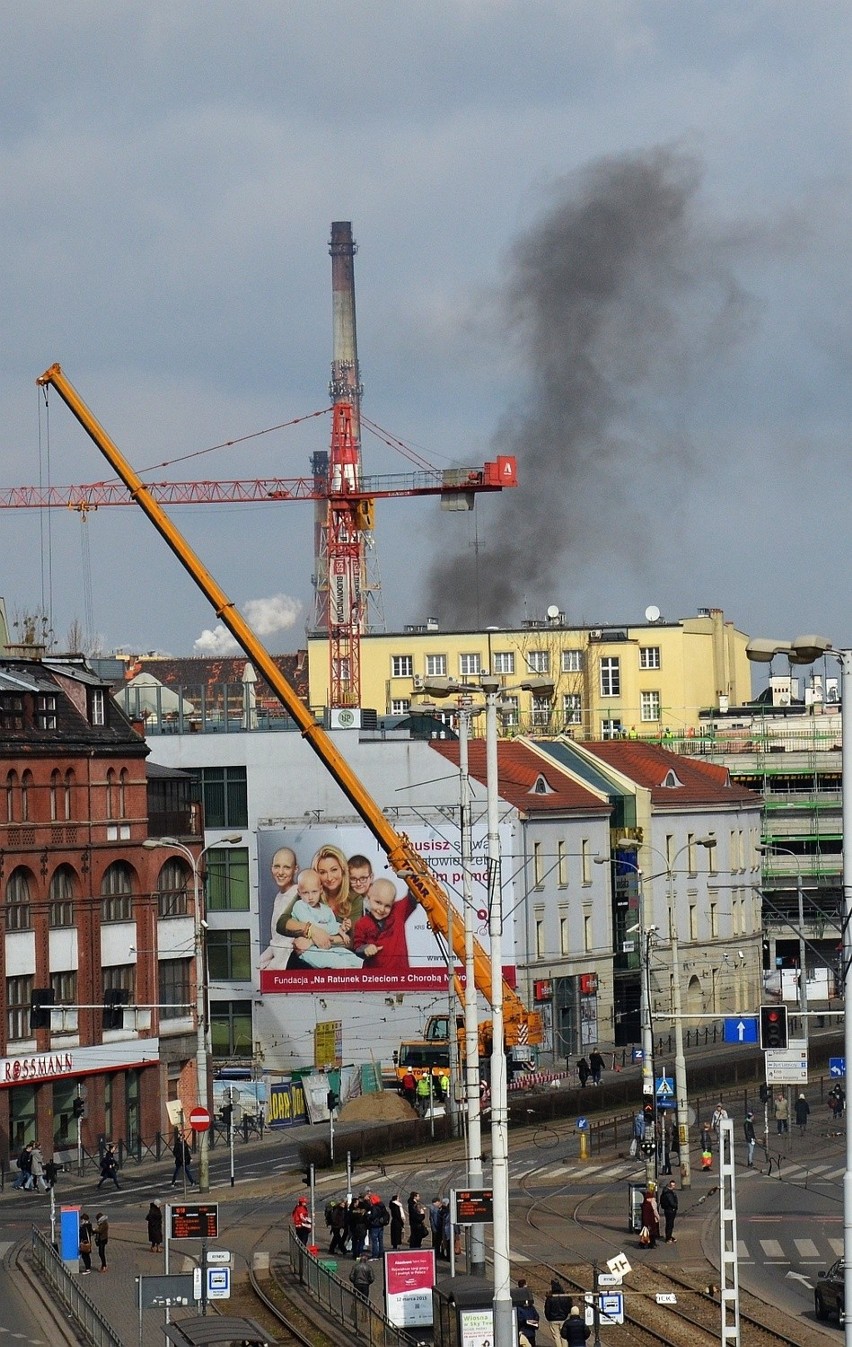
x: 334, y: 917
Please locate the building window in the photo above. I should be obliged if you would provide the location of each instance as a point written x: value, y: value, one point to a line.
x: 97, y: 706
x: 572, y: 708
x: 120, y: 978
x: 400, y: 706
x: 70, y: 781
x: 55, y: 783
x: 538, y: 661
x: 110, y: 793
x: 572, y: 661
x: 230, y: 1028
x: 539, y: 938
x: 173, y: 983
x: 228, y: 880
x: 649, y: 657
x: 224, y: 796
x: 61, y: 897
x: 693, y: 921
x: 503, y: 662
x: 19, y: 995
x: 586, y: 855
x: 26, y: 788
x: 11, y: 795
x: 45, y: 712
x: 649, y: 705
x: 610, y: 676
x: 561, y: 865
x: 18, y: 901
x: 229, y: 955
x: 436, y: 666
x: 587, y: 931
x: 469, y: 666
x: 540, y: 709
x: 64, y: 988
x: 117, y: 892
x: 714, y: 921
x: 172, y: 883
x: 564, y: 936
x: 612, y: 729
x: 538, y: 865
x: 123, y: 778
x: 11, y: 713
x: 509, y: 710
x: 402, y: 666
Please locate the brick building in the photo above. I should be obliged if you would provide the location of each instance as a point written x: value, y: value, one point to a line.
x: 98, y: 934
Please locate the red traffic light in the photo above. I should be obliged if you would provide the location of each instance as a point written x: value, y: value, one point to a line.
x: 773, y: 1026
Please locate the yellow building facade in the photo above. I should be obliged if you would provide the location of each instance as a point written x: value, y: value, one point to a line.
x: 648, y: 680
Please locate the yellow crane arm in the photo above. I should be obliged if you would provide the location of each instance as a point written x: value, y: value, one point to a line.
x: 520, y: 1025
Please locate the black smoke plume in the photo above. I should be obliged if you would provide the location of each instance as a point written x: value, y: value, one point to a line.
x: 616, y: 298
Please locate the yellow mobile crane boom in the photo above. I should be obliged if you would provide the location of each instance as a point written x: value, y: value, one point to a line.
x: 520, y: 1024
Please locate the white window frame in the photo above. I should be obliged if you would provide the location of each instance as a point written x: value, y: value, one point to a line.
x: 503, y: 661
x: 400, y: 706
x: 572, y: 661
x: 572, y: 708
x: 612, y: 727
x: 402, y: 666
x: 610, y: 676
x: 436, y: 666
x: 511, y: 710
x: 538, y: 661
x: 470, y: 664
x: 649, y: 657
x: 650, y: 706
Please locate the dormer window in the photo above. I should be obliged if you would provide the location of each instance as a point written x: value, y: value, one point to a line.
x: 671, y: 781
x: 97, y: 706
x: 540, y: 786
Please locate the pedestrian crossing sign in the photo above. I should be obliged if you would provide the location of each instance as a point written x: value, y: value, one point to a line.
x: 665, y: 1088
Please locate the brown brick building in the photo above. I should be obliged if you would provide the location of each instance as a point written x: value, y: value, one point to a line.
x: 97, y: 955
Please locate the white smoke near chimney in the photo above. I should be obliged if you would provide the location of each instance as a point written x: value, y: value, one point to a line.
x: 264, y: 616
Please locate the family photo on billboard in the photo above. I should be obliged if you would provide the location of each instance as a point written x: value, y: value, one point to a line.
x: 333, y: 916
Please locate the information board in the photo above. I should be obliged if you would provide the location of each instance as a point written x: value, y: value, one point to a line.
x: 194, y: 1222
x: 473, y: 1205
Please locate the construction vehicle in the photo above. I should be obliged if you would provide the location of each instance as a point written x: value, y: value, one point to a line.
x: 520, y: 1026
x: 432, y: 1051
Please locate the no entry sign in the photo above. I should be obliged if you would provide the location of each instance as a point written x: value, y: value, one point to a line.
x: 199, y: 1119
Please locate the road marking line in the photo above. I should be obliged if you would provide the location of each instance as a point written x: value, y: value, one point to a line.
x: 806, y: 1248
x: 771, y: 1248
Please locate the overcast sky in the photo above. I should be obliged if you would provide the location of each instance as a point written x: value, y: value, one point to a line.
x: 635, y: 214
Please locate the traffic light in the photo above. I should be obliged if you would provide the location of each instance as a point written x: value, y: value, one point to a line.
x: 40, y: 1002
x: 332, y: 1099
x: 78, y: 1107
x: 773, y: 1026
x: 649, y: 1115
x: 764, y: 1094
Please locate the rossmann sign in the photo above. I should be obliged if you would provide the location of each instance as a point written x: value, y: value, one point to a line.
x: 82, y: 1061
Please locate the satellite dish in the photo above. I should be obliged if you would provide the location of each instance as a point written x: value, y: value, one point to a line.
x: 553, y: 612
x: 652, y: 613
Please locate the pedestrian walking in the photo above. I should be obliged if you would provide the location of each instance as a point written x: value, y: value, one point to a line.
x: 51, y: 1174
x: 397, y: 1221
x: 527, y: 1317
x: 557, y: 1307
x: 109, y: 1166
x: 521, y: 1293
x: 668, y: 1206
x: 650, y: 1220
x: 300, y: 1219
x: 102, y: 1238
x: 424, y: 1094
x: 782, y: 1115
x: 183, y: 1158
x: 25, y: 1167
x: 596, y: 1066
x: 86, y: 1237
x: 37, y: 1169
x: 154, y: 1221
x: 362, y: 1276
x: 638, y: 1134
x: 338, y: 1222
x: 436, y: 1224
x: 750, y: 1139
x: 583, y: 1071
x: 707, y: 1136
x: 417, y: 1221
x: 802, y: 1111
x: 720, y: 1114
x: 574, y: 1331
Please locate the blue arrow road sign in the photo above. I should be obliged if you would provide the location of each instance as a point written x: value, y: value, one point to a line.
x: 741, y: 1029
x: 582, y: 1124
x: 837, y: 1066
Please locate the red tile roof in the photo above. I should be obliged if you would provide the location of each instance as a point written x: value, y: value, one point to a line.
x: 701, y: 783
x: 519, y: 769
x: 213, y: 671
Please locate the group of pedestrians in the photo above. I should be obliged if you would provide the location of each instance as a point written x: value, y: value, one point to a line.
x: 653, y: 1209
x: 564, y: 1319
x: 93, y: 1234
x: 591, y: 1069
x: 357, y: 1228
x: 35, y: 1175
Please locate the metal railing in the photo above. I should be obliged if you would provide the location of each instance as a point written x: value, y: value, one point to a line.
x: 66, y: 1288
x: 341, y: 1302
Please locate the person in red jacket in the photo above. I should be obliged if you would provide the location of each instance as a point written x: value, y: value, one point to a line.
x: 301, y: 1220
x: 378, y: 937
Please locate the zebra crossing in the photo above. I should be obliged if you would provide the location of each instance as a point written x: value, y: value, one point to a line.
x: 811, y: 1176
x: 790, y: 1252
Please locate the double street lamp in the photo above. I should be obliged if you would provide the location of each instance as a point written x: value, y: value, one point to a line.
x: 807, y: 650
x: 491, y: 687
x: 202, y: 1051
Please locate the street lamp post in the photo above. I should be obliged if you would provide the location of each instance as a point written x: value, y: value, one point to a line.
x: 677, y: 1009
x: 806, y: 650
x: 473, y: 1094
x: 491, y: 687
x: 201, y: 1044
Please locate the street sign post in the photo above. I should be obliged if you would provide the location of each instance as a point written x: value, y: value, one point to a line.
x: 741, y: 1029
x: 787, y: 1066
x: 199, y: 1119
x: 837, y: 1066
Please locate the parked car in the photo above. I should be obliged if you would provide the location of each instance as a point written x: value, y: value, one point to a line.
x: 829, y: 1290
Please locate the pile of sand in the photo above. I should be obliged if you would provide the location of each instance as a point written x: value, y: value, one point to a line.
x: 383, y: 1107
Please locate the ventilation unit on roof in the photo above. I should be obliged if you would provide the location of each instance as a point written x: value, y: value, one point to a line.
x: 595, y: 634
